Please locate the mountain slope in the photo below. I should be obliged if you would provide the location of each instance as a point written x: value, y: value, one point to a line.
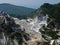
x: 53, y: 10
x: 16, y: 10
x: 20, y: 32
x: 53, y: 22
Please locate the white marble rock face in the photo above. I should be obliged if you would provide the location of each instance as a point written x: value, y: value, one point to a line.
x: 32, y: 27
x: 32, y: 24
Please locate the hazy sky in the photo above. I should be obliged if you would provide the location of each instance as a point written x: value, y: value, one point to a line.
x: 29, y: 3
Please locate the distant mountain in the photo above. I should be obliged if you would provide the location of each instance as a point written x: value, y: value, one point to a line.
x: 15, y: 10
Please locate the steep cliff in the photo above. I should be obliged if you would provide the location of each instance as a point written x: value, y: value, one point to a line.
x: 21, y: 32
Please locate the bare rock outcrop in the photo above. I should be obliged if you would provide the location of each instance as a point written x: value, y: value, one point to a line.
x: 21, y: 32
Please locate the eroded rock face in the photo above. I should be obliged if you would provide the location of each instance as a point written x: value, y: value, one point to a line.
x: 31, y: 27
x: 21, y: 32
x: 35, y: 39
